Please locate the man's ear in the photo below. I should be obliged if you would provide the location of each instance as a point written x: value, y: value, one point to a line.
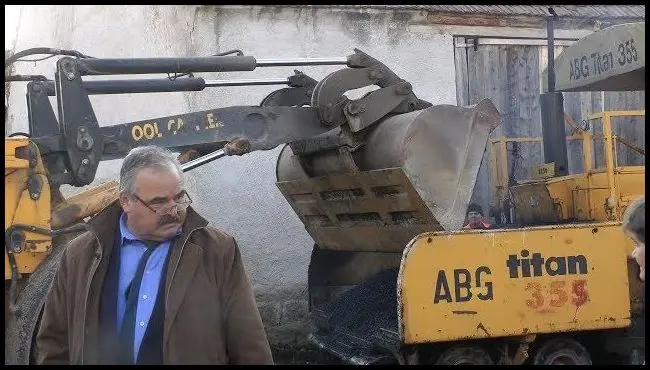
x: 124, y: 201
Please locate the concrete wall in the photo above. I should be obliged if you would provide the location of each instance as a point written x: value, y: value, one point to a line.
x: 238, y: 194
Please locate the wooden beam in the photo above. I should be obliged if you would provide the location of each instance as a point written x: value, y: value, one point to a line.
x: 485, y: 20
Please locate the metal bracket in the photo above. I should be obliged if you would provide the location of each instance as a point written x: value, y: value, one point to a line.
x: 17, y: 239
x: 298, y: 94
x: 11, y: 249
x: 395, y: 95
x: 14, y: 241
x: 32, y: 156
x: 521, y: 355
x: 44, y: 127
x: 82, y: 135
x: 474, y: 42
x: 42, y: 121
x: 383, y: 102
x: 366, y: 71
x: 84, y: 140
x: 34, y: 185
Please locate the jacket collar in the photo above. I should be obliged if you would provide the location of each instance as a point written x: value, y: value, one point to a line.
x: 106, y: 223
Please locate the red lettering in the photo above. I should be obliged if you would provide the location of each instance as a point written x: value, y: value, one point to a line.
x: 580, y: 294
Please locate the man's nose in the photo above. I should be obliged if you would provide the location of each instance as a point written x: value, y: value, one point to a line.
x: 172, y: 210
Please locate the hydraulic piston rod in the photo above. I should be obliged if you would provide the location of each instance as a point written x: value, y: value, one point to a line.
x: 88, y: 67
x: 247, y: 82
x: 164, y: 85
x: 302, y: 62
x: 203, y: 160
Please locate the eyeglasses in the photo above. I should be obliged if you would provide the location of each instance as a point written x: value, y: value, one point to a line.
x: 160, y: 206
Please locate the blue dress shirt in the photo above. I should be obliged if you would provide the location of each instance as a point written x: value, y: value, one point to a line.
x: 131, y: 252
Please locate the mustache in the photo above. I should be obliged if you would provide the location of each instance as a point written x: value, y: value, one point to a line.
x: 169, y: 219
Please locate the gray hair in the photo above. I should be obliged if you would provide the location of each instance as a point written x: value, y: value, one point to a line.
x: 153, y: 157
x: 634, y: 219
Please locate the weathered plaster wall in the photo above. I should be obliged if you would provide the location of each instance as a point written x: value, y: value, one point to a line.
x: 238, y: 194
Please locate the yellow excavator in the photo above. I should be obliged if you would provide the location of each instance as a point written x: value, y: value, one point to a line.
x: 324, y: 130
x: 380, y: 182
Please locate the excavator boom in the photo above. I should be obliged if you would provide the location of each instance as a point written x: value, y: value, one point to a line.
x: 74, y: 144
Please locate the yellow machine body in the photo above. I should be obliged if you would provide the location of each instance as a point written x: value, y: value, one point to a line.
x: 581, y: 197
x: 482, y: 284
x: 595, y: 195
x: 37, y: 209
x: 24, y: 207
x: 572, y: 274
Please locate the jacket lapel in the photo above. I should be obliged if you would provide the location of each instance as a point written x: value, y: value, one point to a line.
x: 180, y: 283
x: 104, y: 225
x: 181, y: 270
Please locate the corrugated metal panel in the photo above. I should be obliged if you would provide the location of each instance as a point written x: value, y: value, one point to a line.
x: 575, y: 11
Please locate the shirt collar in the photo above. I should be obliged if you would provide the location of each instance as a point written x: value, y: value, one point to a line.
x: 124, y: 231
x: 128, y: 236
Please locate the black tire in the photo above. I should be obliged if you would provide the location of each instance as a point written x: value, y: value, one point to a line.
x: 465, y: 355
x: 22, y: 325
x: 562, y: 351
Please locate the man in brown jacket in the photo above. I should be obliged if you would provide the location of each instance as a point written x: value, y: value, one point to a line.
x: 151, y: 282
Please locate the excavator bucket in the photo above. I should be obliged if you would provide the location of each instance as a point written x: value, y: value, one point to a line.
x: 440, y: 149
x: 415, y: 173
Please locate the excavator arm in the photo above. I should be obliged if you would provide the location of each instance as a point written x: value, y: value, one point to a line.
x: 73, y: 145
x: 363, y: 174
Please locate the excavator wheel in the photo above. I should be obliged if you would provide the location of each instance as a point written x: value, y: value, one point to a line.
x: 23, y: 322
x: 562, y: 351
x: 465, y: 355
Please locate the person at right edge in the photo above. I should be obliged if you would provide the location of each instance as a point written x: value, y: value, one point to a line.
x: 634, y: 228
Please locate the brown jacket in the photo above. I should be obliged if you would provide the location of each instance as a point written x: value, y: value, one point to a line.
x: 210, y: 312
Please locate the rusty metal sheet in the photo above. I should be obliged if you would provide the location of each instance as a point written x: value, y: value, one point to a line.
x: 572, y: 11
x: 394, y: 203
x: 366, y: 238
x: 533, y: 204
x: 377, y: 210
x: 384, y: 177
